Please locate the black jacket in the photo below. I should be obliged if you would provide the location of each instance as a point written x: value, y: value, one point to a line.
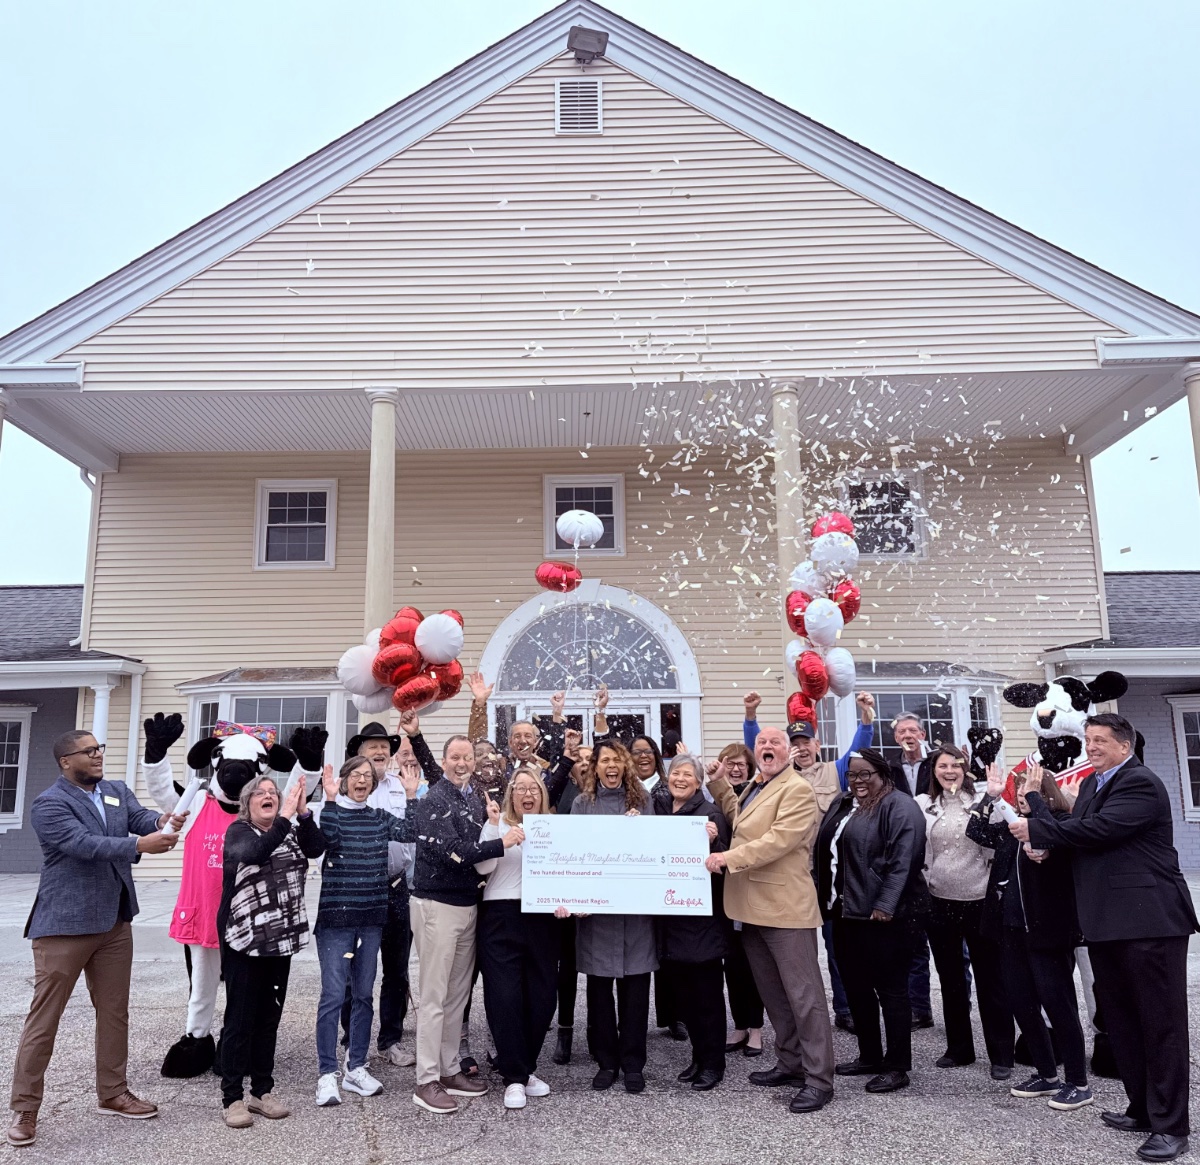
x: 882, y: 855
x: 1037, y: 897
x: 1127, y: 879
x: 696, y: 939
x: 924, y: 775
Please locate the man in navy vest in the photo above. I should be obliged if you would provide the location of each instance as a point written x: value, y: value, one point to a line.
x: 80, y: 923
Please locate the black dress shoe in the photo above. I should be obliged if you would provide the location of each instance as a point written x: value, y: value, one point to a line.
x: 751, y: 1053
x: 774, y: 1077
x: 857, y: 1068
x: 635, y: 1082
x: 562, y: 1047
x: 689, y: 1073
x: 603, y: 1079
x: 678, y: 1031
x: 809, y: 1099
x: 921, y: 1021
x: 708, y: 1079
x: 888, y: 1082
x: 1162, y: 1147
x: 948, y: 1061
x: 1000, y: 1072
x: 735, y: 1044
x: 844, y: 1023
x: 1124, y: 1123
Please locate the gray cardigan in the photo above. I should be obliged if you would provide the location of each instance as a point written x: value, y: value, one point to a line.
x: 612, y: 946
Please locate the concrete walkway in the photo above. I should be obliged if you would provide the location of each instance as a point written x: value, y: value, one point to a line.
x: 952, y: 1116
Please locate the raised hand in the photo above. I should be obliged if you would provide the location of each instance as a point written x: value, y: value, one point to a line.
x: 294, y: 799
x: 601, y: 698
x: 751, y: 701
x: 480, y: 688
x: 410, y: 722
x: 1070, y: 787
x: 572, y: 739
x: 161, y: 732
x: 866, y: 707
x: 996, y: 780
x: 308, y: 743
x: 329, y: 783
x: 493, y: 811
x: 410, y: 778
x: 557, y: 703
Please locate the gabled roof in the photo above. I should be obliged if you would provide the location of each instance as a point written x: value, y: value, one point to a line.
x: 1150, y: 608
x: 37, y: 625
x: 632, y: 48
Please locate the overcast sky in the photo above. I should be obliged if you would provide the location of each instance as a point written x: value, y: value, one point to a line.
x: 126, y: 122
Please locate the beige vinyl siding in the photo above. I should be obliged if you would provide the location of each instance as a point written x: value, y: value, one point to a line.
x: 175, y: 585
x: 494, y: 253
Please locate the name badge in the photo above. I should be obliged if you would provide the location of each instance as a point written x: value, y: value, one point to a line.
x: 112, y: 800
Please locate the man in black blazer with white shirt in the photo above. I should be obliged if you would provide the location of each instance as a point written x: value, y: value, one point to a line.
x: 1136, y: 914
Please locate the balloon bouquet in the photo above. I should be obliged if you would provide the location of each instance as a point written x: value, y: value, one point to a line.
x: 410, y: 663
x: 822, y: 600
x: 581, y: 528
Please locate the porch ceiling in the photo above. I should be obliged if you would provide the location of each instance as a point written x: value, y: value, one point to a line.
x: 94, y: 427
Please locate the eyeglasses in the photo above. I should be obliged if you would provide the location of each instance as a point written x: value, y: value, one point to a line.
x: 526, y: 790
x: 93, y: 752
x: 642, y: 752
x: 860, y: 774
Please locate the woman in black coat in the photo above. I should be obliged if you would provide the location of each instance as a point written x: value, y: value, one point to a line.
x: 692, y: 948
x: 1030, y: 910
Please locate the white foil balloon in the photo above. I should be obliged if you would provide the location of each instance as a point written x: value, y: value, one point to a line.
x: 439, y: 638
x: 579, y: 528
x: 372, y: 639
x: 793, y: 651
x: 839, y: 665
x: 806, y: 578
x: 354, y: 671
x: 834, y: 553
x: 823, y: 621
x: 379, y: 701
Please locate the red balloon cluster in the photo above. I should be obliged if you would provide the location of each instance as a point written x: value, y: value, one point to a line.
x: 810, y: 671
x: 558, y: 576
x: 794, y: 607
x: 799, y: 707
x: 833, y: 523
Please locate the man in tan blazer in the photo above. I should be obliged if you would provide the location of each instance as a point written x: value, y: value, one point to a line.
x: 769, y: 889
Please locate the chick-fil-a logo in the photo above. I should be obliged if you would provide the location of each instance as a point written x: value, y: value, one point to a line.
x: 670, y: 898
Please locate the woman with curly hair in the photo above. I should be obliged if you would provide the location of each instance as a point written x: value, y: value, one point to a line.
x: 615, y: 950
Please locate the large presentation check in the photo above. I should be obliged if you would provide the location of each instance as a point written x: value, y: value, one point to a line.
x: 615, y: 865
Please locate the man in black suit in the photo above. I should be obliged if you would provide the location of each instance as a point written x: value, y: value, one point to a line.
x: 1136, y: 914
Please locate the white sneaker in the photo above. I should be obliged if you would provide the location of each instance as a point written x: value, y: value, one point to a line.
x: 536, y: 1087
x: 327, y: 1090
x: 514, y: 1096
x: 398, y: 1056
x: 361, y: 1081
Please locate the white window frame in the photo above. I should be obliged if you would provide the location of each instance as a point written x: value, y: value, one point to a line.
x: 558, y: 84
x: 550, y: 485
x: 22, y: 714
x: 914, y: 483
x: 1180, y: 705
x: 264, y: 486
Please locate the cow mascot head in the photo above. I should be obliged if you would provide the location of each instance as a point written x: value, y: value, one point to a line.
x: 1059, y: 711
x: 238, y: 754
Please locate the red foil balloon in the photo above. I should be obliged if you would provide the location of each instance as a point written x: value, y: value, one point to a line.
x: 455, y: 615
x: 558, y: 576
x: 836, y: 522
x: 414, y: 694
x: 401, y: 628
x: 847, y: 596
x: 448, y: 677
x: 810, y: 671
x: 794, y: 607
x: 396, y: 663
x: 799, y: 707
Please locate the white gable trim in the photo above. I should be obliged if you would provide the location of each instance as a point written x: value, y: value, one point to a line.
x: 857, y: 169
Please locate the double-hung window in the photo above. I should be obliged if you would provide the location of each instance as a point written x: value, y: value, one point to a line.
x: 295, y: 525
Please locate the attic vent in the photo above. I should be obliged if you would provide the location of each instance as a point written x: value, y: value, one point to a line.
x: 577, y: 107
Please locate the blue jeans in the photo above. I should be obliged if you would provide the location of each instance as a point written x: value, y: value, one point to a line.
x: 348, y: 956
x: 841, y: 1005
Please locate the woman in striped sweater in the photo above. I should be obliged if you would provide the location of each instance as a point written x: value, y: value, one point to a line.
x: 350, y: 918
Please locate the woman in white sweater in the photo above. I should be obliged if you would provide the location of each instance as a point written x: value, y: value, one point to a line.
x: 957, y: 869
x: 518, y: 953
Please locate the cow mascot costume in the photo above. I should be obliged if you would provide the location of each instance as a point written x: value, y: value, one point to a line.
x: 236, y: 754
x: 1060, y: 710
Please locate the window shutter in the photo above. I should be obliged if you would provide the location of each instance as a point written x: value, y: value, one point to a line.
x: 577, y: 106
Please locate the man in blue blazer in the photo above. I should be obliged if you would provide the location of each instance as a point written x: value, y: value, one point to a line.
x: 80, y: 923
x: 1136, y: 915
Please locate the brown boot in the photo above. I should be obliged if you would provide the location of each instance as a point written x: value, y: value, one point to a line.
x: 23, y: 1130
x: 129, y: 1106
x: 267, y: 1106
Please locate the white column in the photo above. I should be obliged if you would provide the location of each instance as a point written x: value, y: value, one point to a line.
x: 4, y: 402
x: 381, y: 508
x: 103, y: 694
x: 789, y: 497
x: 135, y: 729
x: 1191, y: 381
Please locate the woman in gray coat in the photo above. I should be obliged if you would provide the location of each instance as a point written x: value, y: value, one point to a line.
x: 615, y: 950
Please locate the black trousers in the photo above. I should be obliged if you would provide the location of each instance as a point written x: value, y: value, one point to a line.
x: 950, y: 924
x: 745, y: 1004
x: 255, y: 990
x: 518, y: 956
x: 394, y: 949
x: 1141, y: 986
x: 873, y: 959
x: 617, y: 1032
x: 568, y: 972
x: 1037, y: 979
x: 700, y: 1002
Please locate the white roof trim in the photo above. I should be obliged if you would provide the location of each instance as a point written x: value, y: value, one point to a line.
x: 1164, y: 662
x: 65, y: 673
x: 858, y: 169
x: 1119, y: 351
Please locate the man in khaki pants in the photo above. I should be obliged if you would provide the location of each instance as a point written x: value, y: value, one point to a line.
x: 80, y: 923
x: 770, y: 890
